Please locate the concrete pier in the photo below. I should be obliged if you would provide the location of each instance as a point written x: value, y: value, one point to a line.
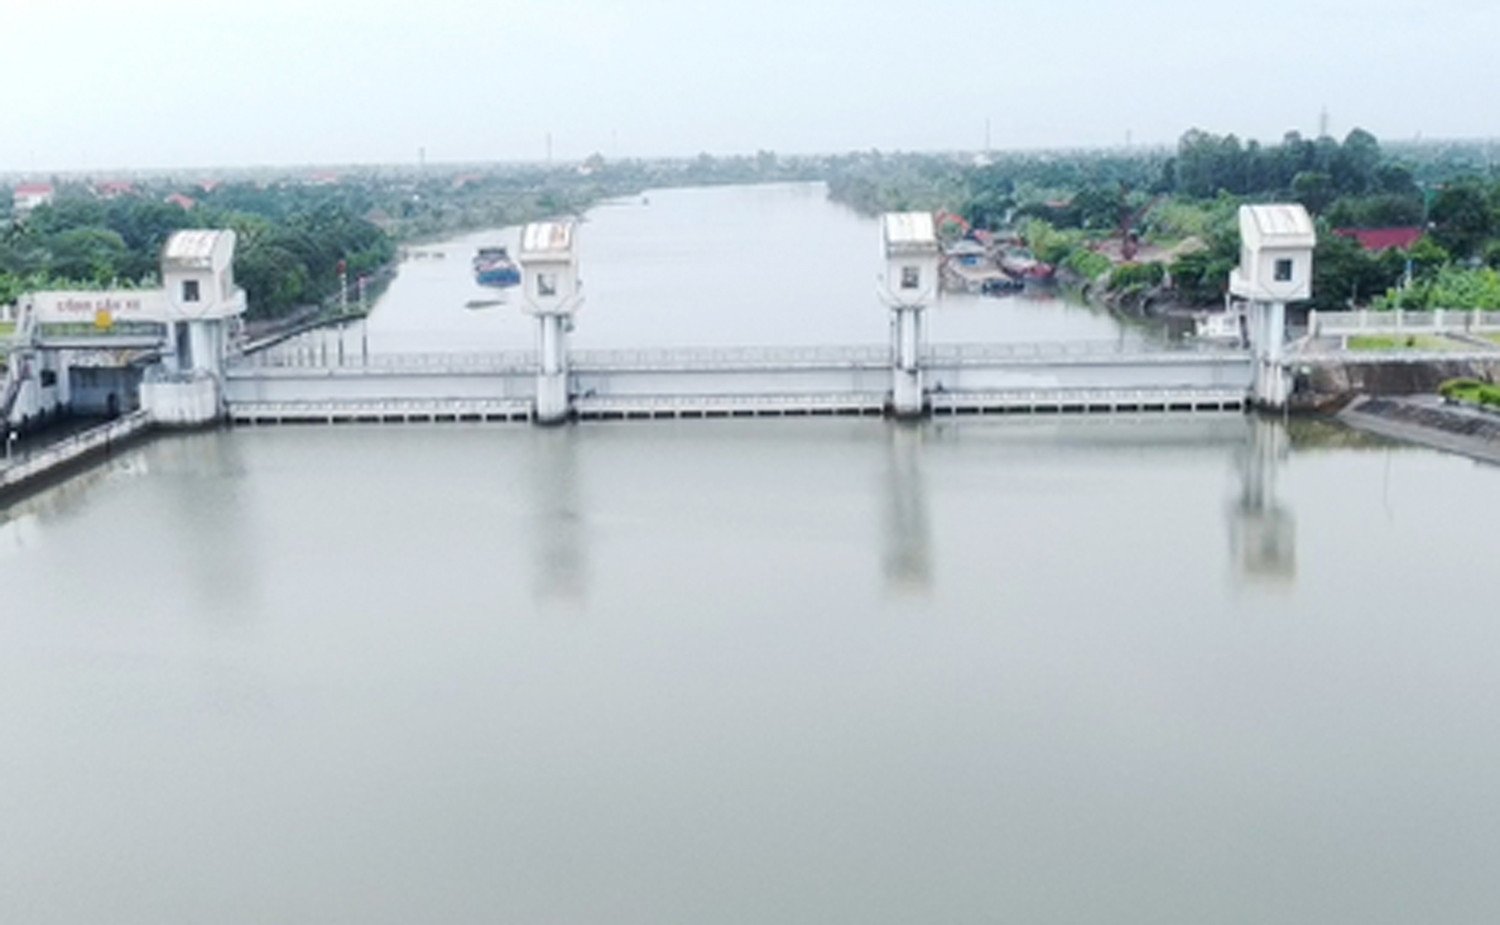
x: 58, y: 458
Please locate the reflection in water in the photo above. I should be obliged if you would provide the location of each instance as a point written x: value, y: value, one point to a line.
x: 17, y: 531
x: 204, y: 512
x: 1263, y: 534
x: 557, y: 524
x: 908, y: 535
x: 71, y: 496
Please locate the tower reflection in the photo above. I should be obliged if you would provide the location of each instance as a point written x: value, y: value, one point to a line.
x: 907, y: 557
x: 558, y: 536
x: 1263, y: 539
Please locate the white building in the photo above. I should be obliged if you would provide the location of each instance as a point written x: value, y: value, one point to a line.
x: 28, y: 196
x: 112, y: 351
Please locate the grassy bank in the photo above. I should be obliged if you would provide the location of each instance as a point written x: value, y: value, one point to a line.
x: 1425, y: 342
x: 1472, y: 391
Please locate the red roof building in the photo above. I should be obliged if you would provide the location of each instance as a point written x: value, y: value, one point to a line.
x: 114, y: 189
x: 1376, y: 240
x: 181, y: 201
x: 28, y: 196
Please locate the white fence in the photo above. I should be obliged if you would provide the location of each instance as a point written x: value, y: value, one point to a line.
x: 1399, y: 321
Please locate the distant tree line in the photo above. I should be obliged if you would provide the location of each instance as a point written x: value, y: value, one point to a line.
x: 290, y: 243
x: 1191, y: 193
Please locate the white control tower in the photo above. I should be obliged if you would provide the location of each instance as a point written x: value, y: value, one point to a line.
x: 551, y: 290
x: 1276, y: 247
x: 910, y: 284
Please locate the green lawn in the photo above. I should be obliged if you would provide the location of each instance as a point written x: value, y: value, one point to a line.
x: 1404, y: 342
x: 1470, y: 390
x: 7, y: 328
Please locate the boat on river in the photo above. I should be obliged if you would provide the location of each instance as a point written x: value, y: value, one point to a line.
x: 493, y: 267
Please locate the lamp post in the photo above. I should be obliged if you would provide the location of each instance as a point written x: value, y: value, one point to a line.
x: 1426, y: 208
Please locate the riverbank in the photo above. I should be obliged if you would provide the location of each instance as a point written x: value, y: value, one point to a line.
x: 1430, y: 421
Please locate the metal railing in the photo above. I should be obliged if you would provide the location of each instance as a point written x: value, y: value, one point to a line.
x: 321, y: 358
x: 1141, y: 398
x: 731, y: 358
x: 724, y: 359
x: 1083, y: 351
x: 34, y: 462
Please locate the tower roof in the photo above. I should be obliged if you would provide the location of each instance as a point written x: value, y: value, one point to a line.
x: 547, y: 239
x: 909, y: 232
x: 194, y: 249
x: 1277, y: 225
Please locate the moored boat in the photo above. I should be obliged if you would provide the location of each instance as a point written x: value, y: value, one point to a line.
x: 493, y: 267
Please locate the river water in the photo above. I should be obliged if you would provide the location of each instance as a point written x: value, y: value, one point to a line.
x: 729, y: 266
x: 1142, y: 669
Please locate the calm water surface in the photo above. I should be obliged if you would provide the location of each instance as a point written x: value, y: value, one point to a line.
x: 1160, y: 669
x: 727, y: 266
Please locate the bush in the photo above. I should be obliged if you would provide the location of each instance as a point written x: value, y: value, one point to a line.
x: 1086, y: 263
x: 1471, y: 390
x: 1137, y: 276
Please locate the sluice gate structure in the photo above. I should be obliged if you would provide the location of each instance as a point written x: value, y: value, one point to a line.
x: 175, y: 353
x: 293, y: 386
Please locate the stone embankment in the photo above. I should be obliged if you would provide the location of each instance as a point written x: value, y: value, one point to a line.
x: 1430, y: 421
x: 1395, y: 377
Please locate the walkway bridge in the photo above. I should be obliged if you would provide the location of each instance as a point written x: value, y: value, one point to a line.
x: 302, y: 383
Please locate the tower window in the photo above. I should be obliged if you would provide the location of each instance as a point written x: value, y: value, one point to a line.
x: 546, y: 284
x: 190, y: 290
x: 911, y: 277
x: 1283, y: 271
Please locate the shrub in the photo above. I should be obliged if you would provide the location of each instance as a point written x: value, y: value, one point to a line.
x: 1136, y: 275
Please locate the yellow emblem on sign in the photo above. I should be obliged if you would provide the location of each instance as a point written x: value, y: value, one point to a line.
x: 103, y: 320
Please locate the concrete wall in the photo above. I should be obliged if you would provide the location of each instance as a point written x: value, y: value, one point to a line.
x: 321, y: 385
x: 181, y: 401
x: 290, y: 385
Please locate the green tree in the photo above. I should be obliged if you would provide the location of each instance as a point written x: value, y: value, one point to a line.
x: 1461, y: 217
x: 89, y: 255
x: 1314, y: 189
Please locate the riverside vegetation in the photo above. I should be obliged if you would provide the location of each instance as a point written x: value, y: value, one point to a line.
x: 1085, y: 211
x: 1471, y: 391
x: 296, y: 227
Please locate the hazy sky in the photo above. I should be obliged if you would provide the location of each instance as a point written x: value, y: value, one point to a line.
x: 161, y: 83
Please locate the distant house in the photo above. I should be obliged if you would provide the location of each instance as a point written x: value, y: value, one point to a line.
x: 1376, y: 240
x: 27, y: 196
x: 114, y: 189
x: 185, y: 203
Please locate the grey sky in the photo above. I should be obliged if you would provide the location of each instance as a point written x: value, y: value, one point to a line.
x: 163, y: 83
